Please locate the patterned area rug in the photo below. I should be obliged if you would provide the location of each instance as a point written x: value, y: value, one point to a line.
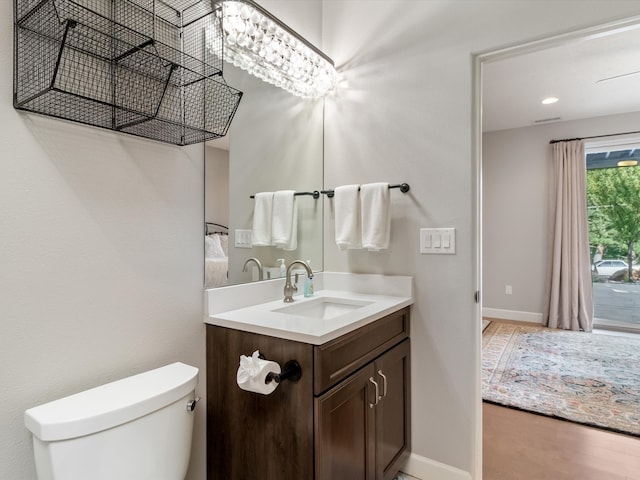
x: 577, y: 376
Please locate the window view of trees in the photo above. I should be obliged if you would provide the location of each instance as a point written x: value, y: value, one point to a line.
x: 613, y: 199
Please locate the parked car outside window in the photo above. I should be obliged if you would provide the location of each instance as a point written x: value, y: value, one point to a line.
x: 607, y: 268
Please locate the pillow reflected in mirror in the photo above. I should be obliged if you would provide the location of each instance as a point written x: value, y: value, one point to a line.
x: 213, y: 247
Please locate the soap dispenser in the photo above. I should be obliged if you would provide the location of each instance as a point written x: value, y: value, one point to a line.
x: 308, y: 284
x: 308, y: 287
x: 283, y: 268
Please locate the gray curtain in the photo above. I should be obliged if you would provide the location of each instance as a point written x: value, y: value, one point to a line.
x: 570, y: 304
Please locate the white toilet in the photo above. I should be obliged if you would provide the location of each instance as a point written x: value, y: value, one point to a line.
x: 137, y: 428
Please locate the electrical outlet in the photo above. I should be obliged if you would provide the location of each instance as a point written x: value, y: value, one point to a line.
x: 508, y: 290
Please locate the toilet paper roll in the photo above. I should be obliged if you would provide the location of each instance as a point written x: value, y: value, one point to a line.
x: 252, y: 374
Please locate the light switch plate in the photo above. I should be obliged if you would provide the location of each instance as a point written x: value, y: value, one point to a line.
x: 438, y: 240
x: 243, y: 238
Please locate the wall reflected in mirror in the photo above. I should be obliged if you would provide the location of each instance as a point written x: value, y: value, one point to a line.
x: 275, y: 142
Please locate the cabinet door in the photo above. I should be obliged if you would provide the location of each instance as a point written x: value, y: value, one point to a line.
x: 254, y: 436
x: 345, y: 429
x: 393, y: 422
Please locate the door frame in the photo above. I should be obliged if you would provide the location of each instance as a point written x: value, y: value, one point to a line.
x: 478, y: 60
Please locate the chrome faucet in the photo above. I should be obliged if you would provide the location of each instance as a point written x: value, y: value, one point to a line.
x: 290, y: 289
x: 258, y: 264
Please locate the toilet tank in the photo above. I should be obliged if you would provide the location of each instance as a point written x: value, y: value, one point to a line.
x: 137, y: 428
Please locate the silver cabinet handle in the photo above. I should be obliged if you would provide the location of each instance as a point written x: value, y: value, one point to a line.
x: 384, y: 383
x: 371, y: 405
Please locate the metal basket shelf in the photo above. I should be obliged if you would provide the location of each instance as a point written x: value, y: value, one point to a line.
x: 126, y: 65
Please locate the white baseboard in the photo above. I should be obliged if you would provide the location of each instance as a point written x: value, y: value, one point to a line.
x: 426, y: 469
x: 531, y: 317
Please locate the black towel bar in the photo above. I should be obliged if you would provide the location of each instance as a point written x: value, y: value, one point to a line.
x: 404, y: 188
x: 314, y: 194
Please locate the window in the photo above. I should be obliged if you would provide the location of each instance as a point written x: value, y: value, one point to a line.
x: 613, y: 201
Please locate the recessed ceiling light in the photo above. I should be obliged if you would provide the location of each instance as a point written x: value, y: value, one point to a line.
x: 549, y: 100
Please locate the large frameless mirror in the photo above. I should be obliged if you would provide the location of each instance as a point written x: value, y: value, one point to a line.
x: 275, y: 143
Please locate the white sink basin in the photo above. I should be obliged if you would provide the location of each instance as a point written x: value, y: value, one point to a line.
x: 323, y: 308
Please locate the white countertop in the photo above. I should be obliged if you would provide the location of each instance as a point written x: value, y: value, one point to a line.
x: 264, y: 319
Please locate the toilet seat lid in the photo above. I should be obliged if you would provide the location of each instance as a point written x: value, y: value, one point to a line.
x: 112, y: 404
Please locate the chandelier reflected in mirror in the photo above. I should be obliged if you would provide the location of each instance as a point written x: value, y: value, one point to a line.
x: 259, y: 43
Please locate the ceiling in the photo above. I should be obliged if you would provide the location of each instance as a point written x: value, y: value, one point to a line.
x: 591, y: 78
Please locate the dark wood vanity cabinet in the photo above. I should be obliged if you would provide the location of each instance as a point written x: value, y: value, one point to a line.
x: 347, y: 418
x: 360, y: 435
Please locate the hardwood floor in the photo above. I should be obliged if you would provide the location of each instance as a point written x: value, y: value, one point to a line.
x: 524, y: 446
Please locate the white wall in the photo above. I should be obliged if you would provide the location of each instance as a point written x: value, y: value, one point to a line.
x: 406, y: 116
x: 516, y: 174
x: 101, y: 262
x: 101, y: 234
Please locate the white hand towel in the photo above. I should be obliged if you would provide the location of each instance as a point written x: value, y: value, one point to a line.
x: 284, y: 223
x: 346, y: 203
x: 375, y: 211
x: 262, y: 213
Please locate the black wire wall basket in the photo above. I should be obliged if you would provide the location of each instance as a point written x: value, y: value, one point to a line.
x: 133, y: 66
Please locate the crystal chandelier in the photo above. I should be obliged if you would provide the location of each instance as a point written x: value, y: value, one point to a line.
x: 256, y: 41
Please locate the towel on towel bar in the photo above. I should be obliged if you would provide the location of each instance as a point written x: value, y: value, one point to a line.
x: 284, y: 224
x: 346, y: 202
x: 262, y: 213
x: 375, y: 212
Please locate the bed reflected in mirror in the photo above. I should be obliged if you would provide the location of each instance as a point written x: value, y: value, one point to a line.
x: 216, y: 258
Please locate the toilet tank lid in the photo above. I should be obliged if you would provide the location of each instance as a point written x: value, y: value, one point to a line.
x: 112, y: 404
